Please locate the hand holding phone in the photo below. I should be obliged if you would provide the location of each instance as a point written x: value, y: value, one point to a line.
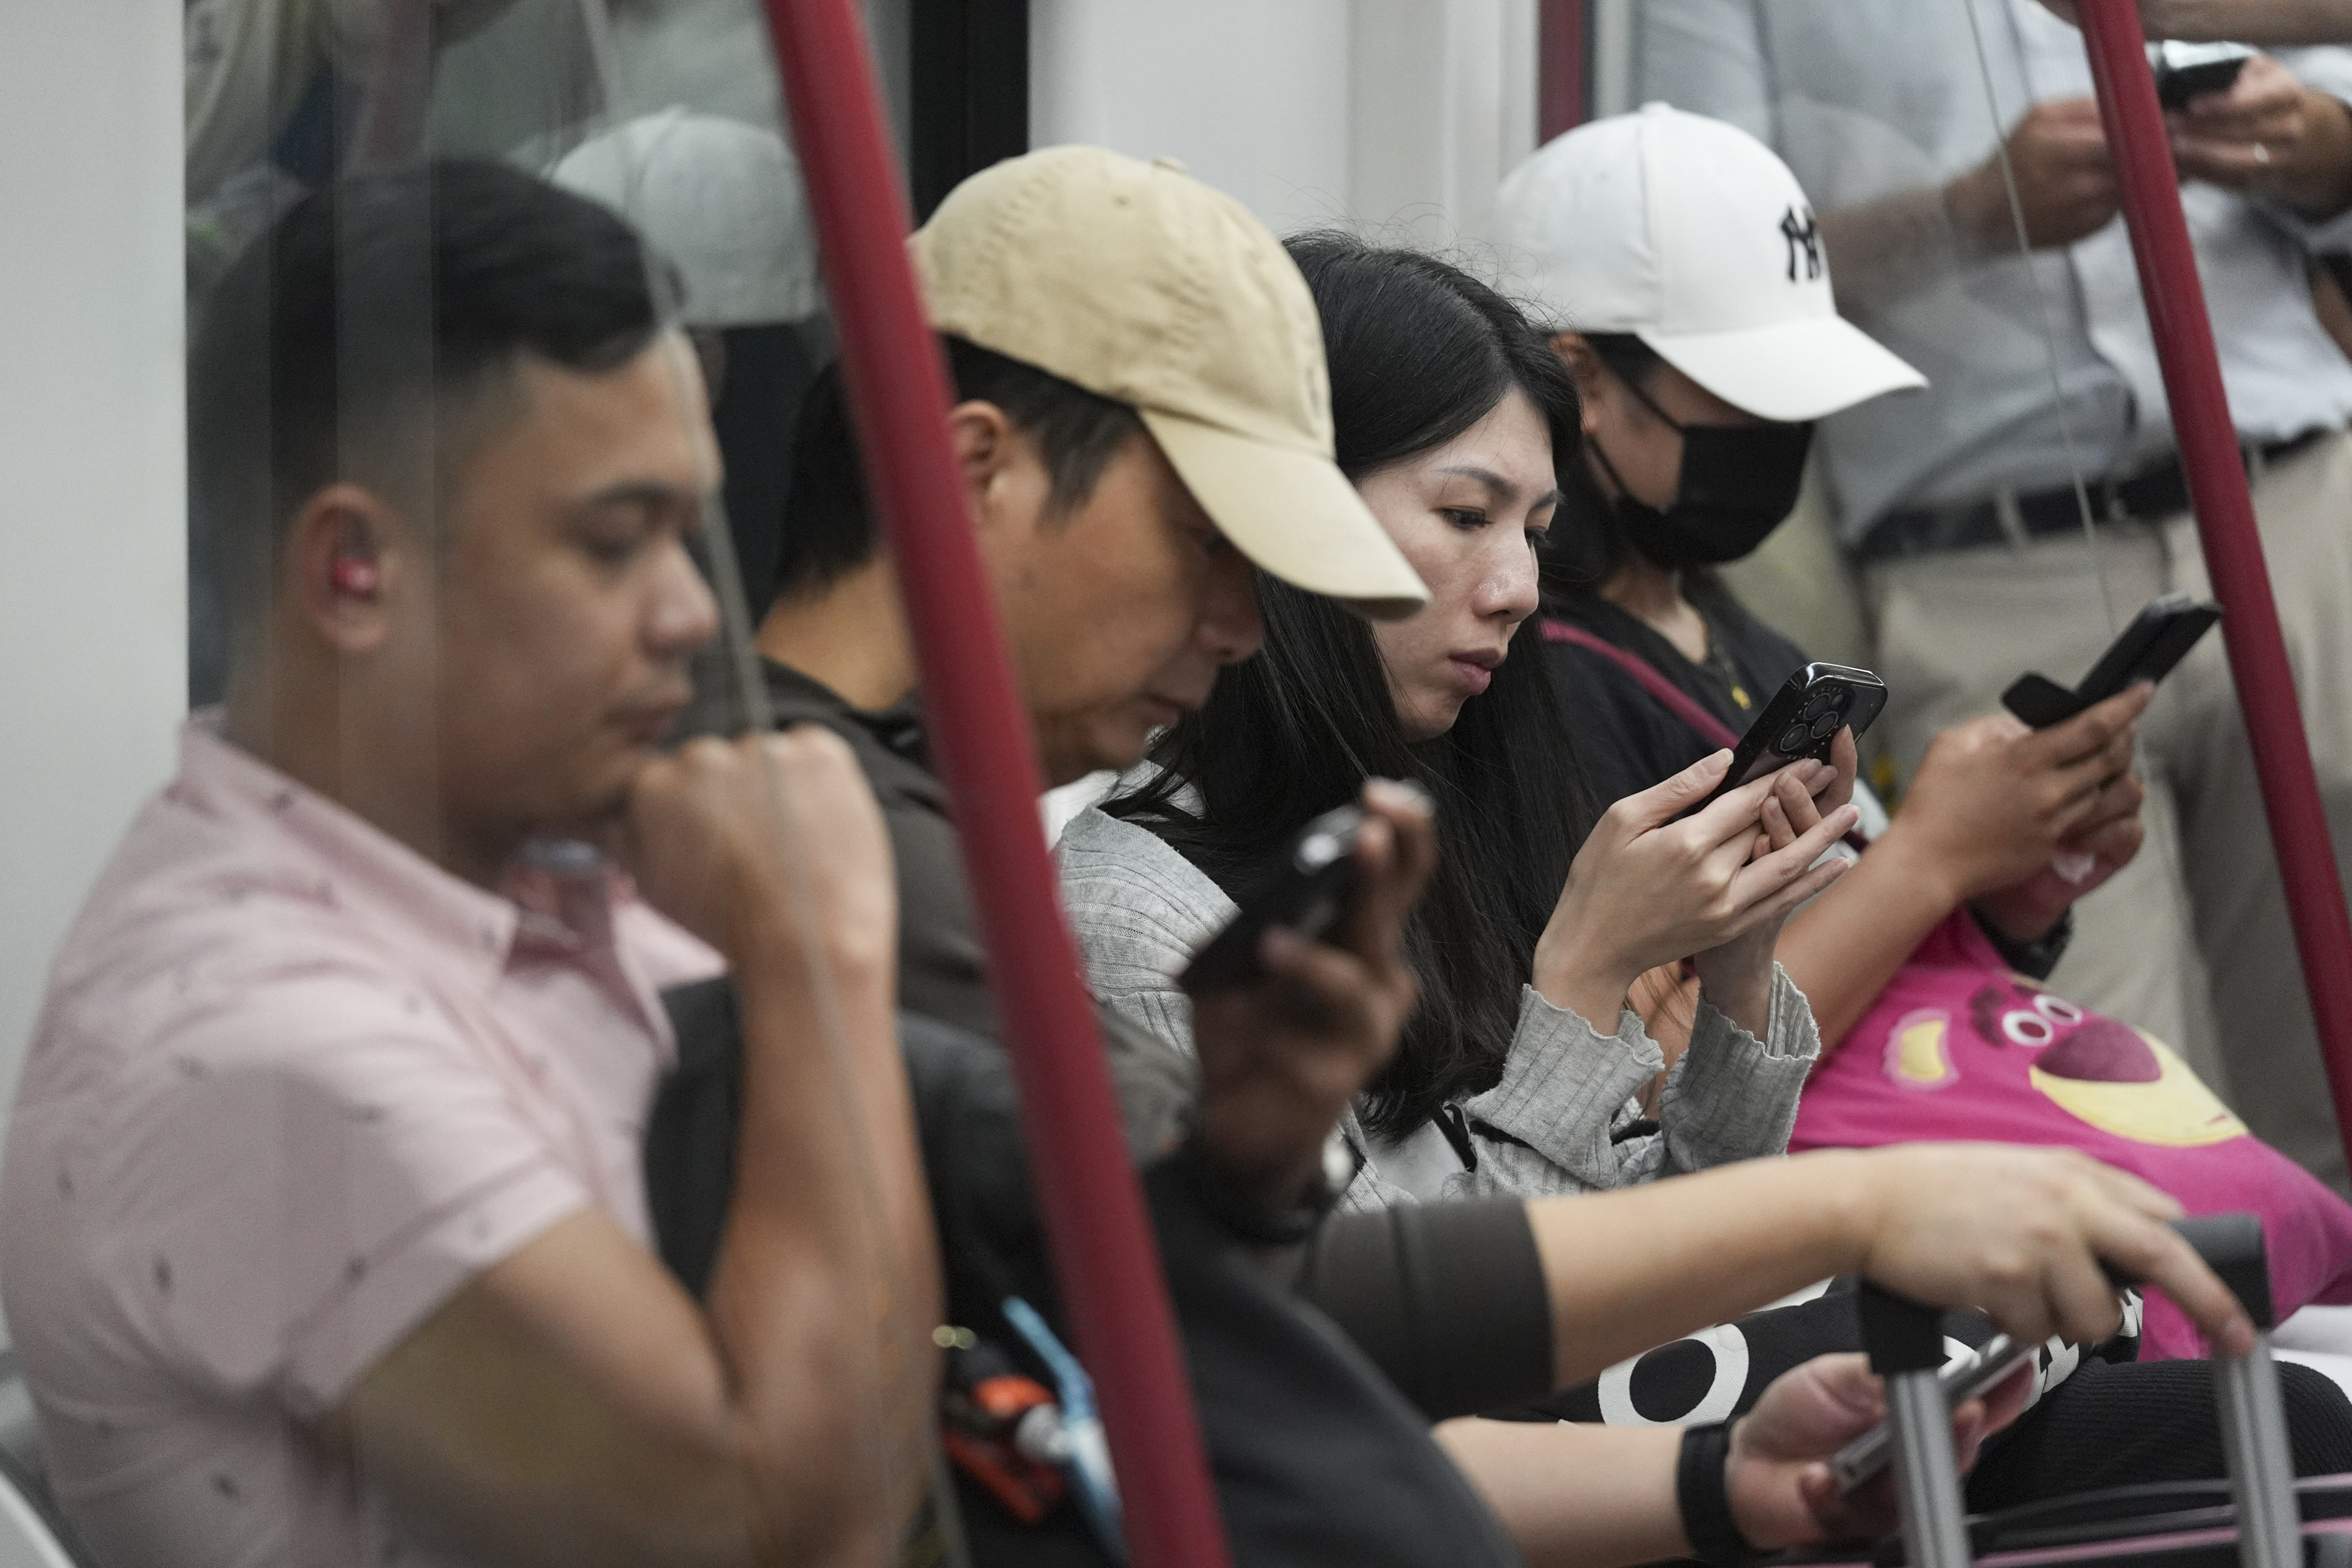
x: 1802, y: 720
x: 1287, y: 1032
x: 1654, y: 884
x: 1310, y: 895
x: 1963, y: 1378
x: 2158, y: 637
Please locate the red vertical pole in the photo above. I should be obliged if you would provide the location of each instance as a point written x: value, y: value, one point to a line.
x: 1103, y: 1247
x: 1560, y: 86
x: 2224, y: 505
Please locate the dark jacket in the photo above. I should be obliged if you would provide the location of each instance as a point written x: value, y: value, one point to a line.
x: 1318, y: 1456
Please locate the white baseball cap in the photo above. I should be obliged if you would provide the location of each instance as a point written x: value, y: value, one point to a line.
x: 1694, y: 237
x: 721, y: 199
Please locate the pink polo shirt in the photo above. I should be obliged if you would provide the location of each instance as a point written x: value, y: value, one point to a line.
x: 293, y: 1087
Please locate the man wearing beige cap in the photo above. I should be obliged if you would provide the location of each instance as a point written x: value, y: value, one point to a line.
x: 1141, y: 421
x: 1141, y: 417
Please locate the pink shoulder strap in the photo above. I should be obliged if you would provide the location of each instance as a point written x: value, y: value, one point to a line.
x: 1680, y: 703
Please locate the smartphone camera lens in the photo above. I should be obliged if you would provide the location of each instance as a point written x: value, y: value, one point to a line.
x: 1794, y: 740
x: 1827, y: 724
x: 1815, y: 706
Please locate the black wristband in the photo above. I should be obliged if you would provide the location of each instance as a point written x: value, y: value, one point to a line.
x: 1704, y: 1498
x: 2036, y: 958
x: 1247, y: 1220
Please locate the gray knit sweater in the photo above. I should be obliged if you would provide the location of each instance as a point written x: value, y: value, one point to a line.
x: 1556, y: 1121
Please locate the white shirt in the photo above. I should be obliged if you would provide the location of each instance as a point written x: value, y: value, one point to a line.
x: 1870, y: 99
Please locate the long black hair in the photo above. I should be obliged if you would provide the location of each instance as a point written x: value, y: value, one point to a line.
x: 1588, y: 544
x: 1419, y: 352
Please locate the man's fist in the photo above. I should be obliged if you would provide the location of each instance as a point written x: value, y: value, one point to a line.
x: 764, y: 846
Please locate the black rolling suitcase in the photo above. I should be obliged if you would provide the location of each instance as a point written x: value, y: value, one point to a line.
x: 2261, y: 1517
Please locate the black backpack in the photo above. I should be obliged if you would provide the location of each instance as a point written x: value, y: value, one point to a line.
x: 1318, y: 1459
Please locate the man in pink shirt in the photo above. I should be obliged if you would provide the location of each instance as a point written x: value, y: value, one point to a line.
x: 322, y: 1226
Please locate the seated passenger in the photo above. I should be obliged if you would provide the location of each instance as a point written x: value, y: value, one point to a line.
x: 1311, y: 1460
x: 1314, y: 697
x: 1519, y: 1068
x: 1925, y: 963
x: 321, y: 1229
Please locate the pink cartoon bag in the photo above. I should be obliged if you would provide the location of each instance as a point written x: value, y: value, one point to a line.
x: 1957, y: 1047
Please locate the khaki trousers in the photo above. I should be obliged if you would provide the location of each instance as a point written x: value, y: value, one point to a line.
x: 2191, y: 941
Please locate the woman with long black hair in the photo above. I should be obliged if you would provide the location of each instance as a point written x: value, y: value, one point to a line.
x: 1521, y: 1069
x: 1453, y: 421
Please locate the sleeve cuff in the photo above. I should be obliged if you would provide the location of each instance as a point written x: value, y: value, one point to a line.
x: 1733, y: 1097
x: 1789, y: 1032
x: 1565, y: 1083
x: 385, y: 1298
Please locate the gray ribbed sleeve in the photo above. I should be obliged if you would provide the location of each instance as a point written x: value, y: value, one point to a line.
x: 1139, y: 909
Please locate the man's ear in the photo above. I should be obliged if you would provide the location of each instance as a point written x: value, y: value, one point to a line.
x: 985, y: 449
x: 350, y: 560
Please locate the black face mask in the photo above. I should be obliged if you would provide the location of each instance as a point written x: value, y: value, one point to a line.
x: 1738, y: 483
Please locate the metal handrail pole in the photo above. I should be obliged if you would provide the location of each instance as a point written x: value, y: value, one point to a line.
x: 1104, y: 1251
x: 2149, y: 187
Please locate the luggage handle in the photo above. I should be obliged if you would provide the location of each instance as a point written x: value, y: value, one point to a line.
x: 1905, y: 1343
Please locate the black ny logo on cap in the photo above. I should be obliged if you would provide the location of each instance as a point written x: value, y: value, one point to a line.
x: 1803, y: 234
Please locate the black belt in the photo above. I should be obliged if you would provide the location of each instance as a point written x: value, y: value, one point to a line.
x: 2147, y: 496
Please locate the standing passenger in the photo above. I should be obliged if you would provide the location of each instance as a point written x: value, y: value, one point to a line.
x: 1960, y: 504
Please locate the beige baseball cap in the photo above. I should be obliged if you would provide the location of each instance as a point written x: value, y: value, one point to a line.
x: 1140, y: 284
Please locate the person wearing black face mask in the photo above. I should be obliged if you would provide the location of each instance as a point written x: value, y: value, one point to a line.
x: 1703, y: 357
x: 1736, y: 480
x: 1711, y: 346
x: 1675, y: 482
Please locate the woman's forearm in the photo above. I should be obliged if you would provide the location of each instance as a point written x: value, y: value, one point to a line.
x: 1575, y: 1497
x: 1844, y: 948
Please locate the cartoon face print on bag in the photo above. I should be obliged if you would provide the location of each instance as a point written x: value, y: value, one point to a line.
x: 2117, y: 1078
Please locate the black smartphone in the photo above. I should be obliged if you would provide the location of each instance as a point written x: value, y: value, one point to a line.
x: 1803, y: 717
x: 1308, y: 897
x: 2184, y: 71
x: 2158, y: 637
x: 1960, y: 1380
